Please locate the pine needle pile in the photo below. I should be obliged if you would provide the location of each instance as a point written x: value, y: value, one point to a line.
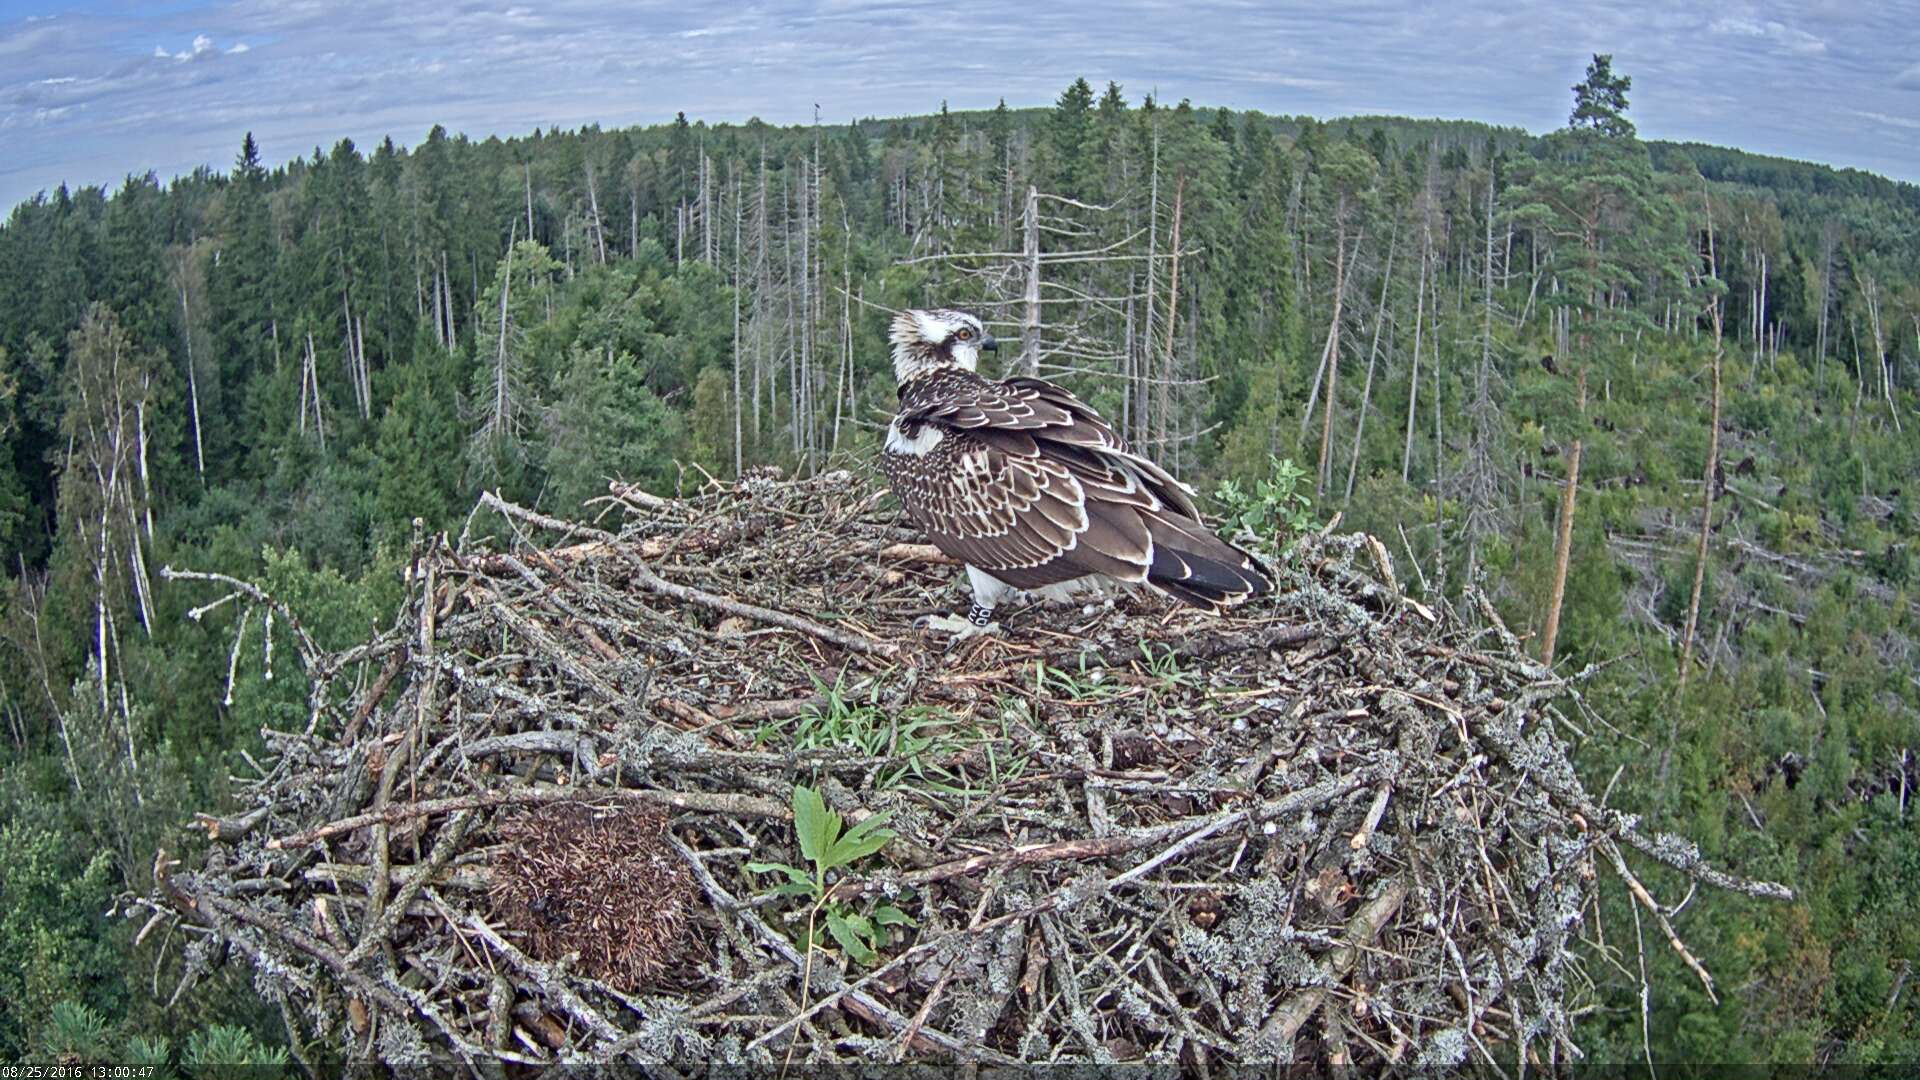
x: 550, y: 815
x: 602, y: 885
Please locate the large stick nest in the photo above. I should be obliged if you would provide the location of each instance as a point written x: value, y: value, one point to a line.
x: 1338, y: 826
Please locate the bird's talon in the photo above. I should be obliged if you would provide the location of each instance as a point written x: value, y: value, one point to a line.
x: 958, y: 628
x: 974, y: 630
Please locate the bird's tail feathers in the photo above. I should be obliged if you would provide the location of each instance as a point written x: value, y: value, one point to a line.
x: 1193, y: 565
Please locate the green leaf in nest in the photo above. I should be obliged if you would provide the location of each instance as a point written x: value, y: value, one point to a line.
x: 843, y: 931
x: 816, y: 825
x: 860, y: 841
x: 794, y: 874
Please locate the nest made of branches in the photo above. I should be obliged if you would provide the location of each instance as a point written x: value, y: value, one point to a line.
x: 524, y: 822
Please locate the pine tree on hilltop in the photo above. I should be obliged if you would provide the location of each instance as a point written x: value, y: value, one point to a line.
x: 1600, y: 100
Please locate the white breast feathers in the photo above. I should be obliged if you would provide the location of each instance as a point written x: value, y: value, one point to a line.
x: 920, y: 444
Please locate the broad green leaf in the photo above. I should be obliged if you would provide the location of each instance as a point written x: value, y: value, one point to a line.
x: 870, y: 824
x: 815, y: 825
x: 888, y: 915
x: 861, y: 841
x: 851, y: 851
x: 844, y: 934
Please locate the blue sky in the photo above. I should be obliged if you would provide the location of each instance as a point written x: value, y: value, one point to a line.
x: 90, y: 91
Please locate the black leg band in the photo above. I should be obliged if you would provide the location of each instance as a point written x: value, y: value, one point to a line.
x: 978, y: 615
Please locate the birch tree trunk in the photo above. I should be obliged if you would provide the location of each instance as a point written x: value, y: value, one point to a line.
x: 312, y: 393
x: 193, y: 385
x: 593, y: 205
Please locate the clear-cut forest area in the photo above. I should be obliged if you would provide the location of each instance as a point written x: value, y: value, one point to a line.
x: 302, y: 472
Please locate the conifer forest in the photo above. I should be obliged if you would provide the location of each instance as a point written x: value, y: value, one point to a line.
x: 1658, y: 402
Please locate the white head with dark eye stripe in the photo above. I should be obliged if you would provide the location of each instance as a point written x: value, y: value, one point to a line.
x: 924, y: 341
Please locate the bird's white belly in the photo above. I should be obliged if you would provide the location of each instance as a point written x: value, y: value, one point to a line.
x: 1074, y: 589
x: 919, y: 445
x: 990, y: 590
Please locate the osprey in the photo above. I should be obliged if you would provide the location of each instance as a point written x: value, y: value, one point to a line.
x: 1029, y: 487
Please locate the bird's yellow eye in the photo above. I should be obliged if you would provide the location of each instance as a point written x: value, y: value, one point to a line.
x: 964, y: 335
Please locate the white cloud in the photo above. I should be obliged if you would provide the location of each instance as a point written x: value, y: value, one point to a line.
x: 1892, y: 121
x: 370, y: 69
x: 1791, y: 39
x: 202, y: 45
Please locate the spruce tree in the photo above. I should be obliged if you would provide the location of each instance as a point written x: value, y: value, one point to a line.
x: 240, y: 287
x: 1000, y: 135
x: 1070, y: 141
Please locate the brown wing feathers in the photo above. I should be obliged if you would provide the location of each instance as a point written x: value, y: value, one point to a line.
x: 999, y: 511
x: 1033, y: 486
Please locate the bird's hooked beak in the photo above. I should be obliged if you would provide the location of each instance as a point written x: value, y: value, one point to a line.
x: 989, y: 343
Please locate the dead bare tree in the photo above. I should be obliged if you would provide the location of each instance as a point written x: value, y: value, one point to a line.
x: 1163, y: 385
x: 1382, y: 314
x: 738, y: 448
x: 1330, y: 352
x: 1829, y: 243
x: 183, y: 267
x: 1030, y: 321
x: 105, y: 493
x: 526, y: 172
x: 762, y: 296
x: 1419, y: 320
x: 1478, y: 482
x: 1062, y: 310
x: 594, y: 222
x: 1137, y: 388
x: 310, y: 395
x: 843, y: 398
x: 1868, y: 286
x: 1710, y: 485
x: 501, y: 419
x: 1563, y: 537
x: 359, y: 378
